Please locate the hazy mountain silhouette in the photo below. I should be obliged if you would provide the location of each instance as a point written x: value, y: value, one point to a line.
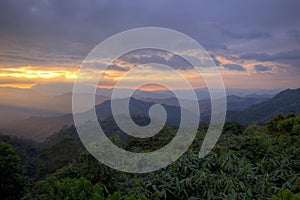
x: 39, y: 128
x: 10, y: 114
x: 31, y: 99
x: 285, y: 102
x: 244, y: 110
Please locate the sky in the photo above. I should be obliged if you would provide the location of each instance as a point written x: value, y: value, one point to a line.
x: 255, y: 44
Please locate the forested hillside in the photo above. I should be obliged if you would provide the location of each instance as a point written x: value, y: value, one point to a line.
x: 253, y: 162
x: 285, y: 102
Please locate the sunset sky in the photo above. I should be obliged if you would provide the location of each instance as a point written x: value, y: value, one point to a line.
x: 255, y: 44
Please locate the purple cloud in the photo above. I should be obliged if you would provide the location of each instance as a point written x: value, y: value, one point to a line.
x: 234, y: 67
x: 262, y: 68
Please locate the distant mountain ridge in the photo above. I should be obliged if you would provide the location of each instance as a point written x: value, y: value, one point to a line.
x: 30, y: 99
x: 241, y: 109
x: 287, y: 101
x: 39, y: 128
x: 10, y: 114
x: 233, y: 102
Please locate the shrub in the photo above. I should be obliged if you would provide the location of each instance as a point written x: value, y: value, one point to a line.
x: 13, y: 182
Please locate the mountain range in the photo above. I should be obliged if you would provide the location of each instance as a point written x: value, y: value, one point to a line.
x: 38, y: 123
x: 287, y: 101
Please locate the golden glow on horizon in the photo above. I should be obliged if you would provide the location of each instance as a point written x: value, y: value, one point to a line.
x: 36, y: 73
x: 28, y: 76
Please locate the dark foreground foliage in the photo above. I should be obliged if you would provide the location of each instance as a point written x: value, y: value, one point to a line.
x: 254, y: 162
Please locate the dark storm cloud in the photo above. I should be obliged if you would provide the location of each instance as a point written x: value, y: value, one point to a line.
x: 262, y: 68
x: 294, y: 34
x: 145, y: 56
x: 285, y: 55
x: 251, y: 35
x: 9, y: 57
x: 141, y: 57
x: 234, y: 67
x: 117, y: 68
x: 242, y: 34
x: 69, y: 29
x: 101, y: 66
x: 214, y: 47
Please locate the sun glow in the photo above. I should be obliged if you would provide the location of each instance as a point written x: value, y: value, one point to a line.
x: 36, y: 73
x: 27, y: 76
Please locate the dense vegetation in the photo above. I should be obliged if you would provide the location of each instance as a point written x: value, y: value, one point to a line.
x: 254, y: 162
x: 13, y: 182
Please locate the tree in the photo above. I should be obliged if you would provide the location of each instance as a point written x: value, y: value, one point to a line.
x: 288, y: 124
x: 13, y: 182
x: 272, y: 124
x: 233, y: 128
x: 55, y: 189
x: 286, y: 195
